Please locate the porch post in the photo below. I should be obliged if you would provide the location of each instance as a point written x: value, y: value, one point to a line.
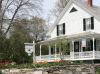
x: 49, y: 51
x: 73, y: 49
x: 59, y: 50
x: 93, y: 48
x: 81, y: 50
x: 40, y: 51
x: 55, y: 51
x: 34, y: 56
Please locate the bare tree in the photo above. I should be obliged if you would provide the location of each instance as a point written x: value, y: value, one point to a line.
x: 60, y: 5
x: 0, y: 12
x: 13, y: 9
x: 1, y: 3
x: 38, y: 28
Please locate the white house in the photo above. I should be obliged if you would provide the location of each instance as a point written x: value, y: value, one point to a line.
x: 79, y: 23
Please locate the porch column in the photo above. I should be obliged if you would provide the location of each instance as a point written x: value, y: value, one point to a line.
x: 34, y: 56
x: 40, y: 51
x: 93, y: 48
x: 55, y: 51
x: 81, y: 51
x: 49, y: 51
x: 72, y: 50
x: 59, y: 50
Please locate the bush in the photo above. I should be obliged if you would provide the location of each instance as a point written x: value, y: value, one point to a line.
x: 37, y: 65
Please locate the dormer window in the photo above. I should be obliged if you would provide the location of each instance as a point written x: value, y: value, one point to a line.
x: 88, y: 24
x: 61, y: 29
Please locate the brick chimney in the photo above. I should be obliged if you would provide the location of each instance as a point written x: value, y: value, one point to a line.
x: 90, y: 3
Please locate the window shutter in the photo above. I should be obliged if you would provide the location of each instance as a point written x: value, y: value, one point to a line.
x: 57, y: 30
x: 84, y: 25
x: 92, y: 23
x: 63, y: 28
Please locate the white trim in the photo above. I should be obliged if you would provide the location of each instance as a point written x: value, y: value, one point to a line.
x: 93, y: 48
x: 87, y: 34
x: 73, y: 49
x: 28, y: 43
x: 49, y: 51
x: 55, y: 51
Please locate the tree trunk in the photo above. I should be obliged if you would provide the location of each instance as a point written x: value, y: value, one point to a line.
x: 1, y: 14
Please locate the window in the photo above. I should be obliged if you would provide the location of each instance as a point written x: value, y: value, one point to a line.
x: 73, y: 10
x: 61, y: 29
x: 88, y: 24
x: 89, y: 46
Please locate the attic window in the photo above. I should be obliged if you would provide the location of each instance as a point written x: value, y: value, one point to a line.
x: 73, y: 10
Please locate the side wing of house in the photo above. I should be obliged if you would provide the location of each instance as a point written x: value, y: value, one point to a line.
x: 75, y: 21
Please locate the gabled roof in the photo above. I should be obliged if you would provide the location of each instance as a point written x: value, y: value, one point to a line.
x: 94, y: 10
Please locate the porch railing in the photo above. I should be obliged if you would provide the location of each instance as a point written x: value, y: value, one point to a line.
x: 86, y: 54
x: 47, y: 58
x: 72, y: 56
x: 97, y: 54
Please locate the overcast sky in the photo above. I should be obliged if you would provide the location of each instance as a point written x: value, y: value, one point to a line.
x: 49, y: 4
x: 97, y: 2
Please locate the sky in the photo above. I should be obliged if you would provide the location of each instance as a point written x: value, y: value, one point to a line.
x: 96, y: 2
x: 48, y: 5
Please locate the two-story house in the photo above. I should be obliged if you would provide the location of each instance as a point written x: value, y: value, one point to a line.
x: 79, y: 22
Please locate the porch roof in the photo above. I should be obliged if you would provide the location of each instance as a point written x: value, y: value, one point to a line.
x: 88, y: 34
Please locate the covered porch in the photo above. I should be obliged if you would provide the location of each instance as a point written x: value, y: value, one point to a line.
x: 90, y: 50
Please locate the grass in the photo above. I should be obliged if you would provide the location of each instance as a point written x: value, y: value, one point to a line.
x: 98, y: 70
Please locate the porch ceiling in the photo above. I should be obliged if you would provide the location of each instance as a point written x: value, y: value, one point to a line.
x: 88, y: 34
